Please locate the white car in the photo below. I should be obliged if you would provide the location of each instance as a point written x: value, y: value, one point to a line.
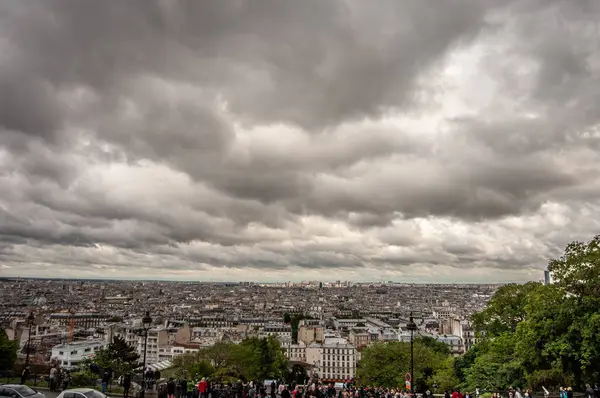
x: 81, y: 393
x: 18, y: 391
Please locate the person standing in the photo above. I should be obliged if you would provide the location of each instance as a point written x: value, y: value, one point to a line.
x: 52, y: 378
x: 183, y: 387
x: 203, y: 388
x: 105, y: 381
x: 126, y: 385
x: 25, y: 374
x: 171, y: 387
x: 156, y: 377
x: 589, y: 391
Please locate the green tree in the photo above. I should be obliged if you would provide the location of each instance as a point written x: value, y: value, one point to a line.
x: 263, y: 358
x: 445, y: 375
x: 298, y: 374
x: 577, y: 271
x: 497, y: 367
x: 8, y: 351
x: 253, y: 359
x: 386, y: 363
x: 540, y: 335
x: 287, y: 318
x: 505, y: 309
x: 464, y: 362
x: 191, y: 364
x: 118, y: 356
x: 436, y: 345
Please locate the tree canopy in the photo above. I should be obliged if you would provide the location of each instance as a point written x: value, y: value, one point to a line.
x: 541, y: 335
x: 118, y: 355
x: 8, y: 351
x: 253, y: 359
x: 386, y: 363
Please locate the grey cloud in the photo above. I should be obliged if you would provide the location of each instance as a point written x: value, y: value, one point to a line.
x: 302, y: 50
x: 191, y: 101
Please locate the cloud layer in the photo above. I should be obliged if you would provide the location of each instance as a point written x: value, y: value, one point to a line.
x: 286, y: 140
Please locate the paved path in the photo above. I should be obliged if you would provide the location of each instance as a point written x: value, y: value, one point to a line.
x: 49, y: 394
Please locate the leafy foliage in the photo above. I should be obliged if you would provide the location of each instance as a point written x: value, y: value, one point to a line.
x: 8, y: 351
x: 385, y: 363
x: 540, y: 335
x: 118, y: 356
x: 504, y: 310
x: 445, y: 375
x: 577, y: 271
x: 253, y: 359
x: 193, y: 364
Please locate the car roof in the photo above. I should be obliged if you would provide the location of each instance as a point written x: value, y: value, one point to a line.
x: 12, y: 385
x: 79, y: 390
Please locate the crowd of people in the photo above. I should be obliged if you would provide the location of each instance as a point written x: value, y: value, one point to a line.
x: 58, y: 378
x: 317, y: 389
x: 197, y: 387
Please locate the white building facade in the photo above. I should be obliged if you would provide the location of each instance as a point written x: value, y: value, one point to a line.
x: 167, y: 353
x: 71, y: 354
x: 333, y: 360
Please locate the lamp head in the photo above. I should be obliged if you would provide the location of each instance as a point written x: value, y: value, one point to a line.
x: 146, y: 321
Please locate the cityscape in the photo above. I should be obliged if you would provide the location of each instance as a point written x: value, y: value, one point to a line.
x: 74, y: 318
x: 299, y: 199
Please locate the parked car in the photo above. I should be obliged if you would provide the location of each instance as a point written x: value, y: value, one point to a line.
x: 81, y: 393
x: 18, y: 391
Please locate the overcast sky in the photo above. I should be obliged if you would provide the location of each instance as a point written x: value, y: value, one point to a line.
x: 275, y: 140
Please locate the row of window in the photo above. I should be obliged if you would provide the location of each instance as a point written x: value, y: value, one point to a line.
x: 344, y: 357
x: 338, y: 351
x: 74, y: 352
x: 338, y: 376
x: 338, y: 368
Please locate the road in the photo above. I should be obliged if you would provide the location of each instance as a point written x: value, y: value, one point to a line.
x: 49, y: 394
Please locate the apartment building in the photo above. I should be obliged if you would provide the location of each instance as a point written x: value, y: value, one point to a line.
x: 310, y: 331
x: 333, y: 360
x: 341, y: 324
x: 282, y: 332
x: 80, y: 320
x: 167, y: 353
x: 156, y: 337
x: 296, y: 352
x: 455, y: 343
x: 71, y: 354
x: 359, y: 337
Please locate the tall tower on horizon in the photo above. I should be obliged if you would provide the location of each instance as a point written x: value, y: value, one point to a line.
x: 546, y: 277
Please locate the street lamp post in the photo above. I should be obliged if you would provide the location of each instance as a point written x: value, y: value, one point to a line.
x: 412, y: 326
x: 146, y: 323
x: 30, y: 321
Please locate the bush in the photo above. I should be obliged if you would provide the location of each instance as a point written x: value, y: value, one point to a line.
x: 83, y: 379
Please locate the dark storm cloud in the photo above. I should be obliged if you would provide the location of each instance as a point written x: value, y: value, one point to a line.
x: 256, y: 134
x: 288, y: 54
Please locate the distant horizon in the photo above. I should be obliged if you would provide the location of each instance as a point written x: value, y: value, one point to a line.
x: 99, y: 279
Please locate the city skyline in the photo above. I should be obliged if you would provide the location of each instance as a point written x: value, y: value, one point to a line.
x: 304, y: 140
